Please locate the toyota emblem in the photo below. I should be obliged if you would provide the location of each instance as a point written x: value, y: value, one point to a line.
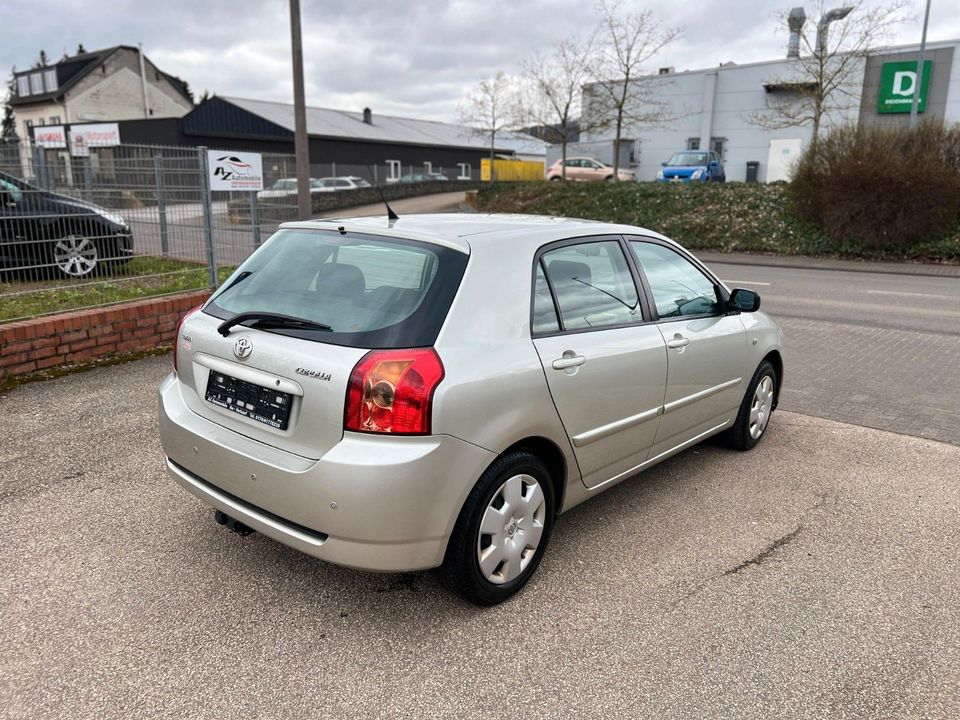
x: 243, y: 347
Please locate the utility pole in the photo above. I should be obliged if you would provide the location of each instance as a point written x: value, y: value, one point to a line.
x: 918, y: 83
x: 301, y: 147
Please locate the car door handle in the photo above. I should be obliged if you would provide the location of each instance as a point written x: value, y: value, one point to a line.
x: 568, y: 361
x: 678, y: 341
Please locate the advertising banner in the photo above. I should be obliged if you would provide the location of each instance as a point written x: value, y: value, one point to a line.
x: 50, y: 136
x: 84, y: 137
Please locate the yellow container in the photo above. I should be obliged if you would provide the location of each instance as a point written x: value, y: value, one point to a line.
x: 511, y: 170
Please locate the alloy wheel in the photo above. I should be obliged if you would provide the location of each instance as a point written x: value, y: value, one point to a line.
x: 761, y: 407
x: 75, y: 256
x: 511, y: 529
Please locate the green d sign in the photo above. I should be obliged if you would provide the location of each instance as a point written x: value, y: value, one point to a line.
x: 897, y: 83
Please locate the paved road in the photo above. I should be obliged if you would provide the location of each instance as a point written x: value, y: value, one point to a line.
x: 814, y: 577
x: 874, y: 349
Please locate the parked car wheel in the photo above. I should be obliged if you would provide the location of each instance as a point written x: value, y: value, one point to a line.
x: 755, y: 410
x: 556, y: 178
x: 76, y: 255
x: 608, y: 178
x: 502, y: 530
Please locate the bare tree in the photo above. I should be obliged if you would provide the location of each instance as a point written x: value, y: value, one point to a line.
x: 490, y: 109
x: 554, y: 96
x: 826, y: 77
x: 623, y: 93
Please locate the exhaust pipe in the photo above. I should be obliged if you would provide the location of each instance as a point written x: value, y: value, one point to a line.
x: 238, y: 527
x: 795, y: 21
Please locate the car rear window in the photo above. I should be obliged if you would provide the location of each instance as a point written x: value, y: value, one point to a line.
x: 374, y: 292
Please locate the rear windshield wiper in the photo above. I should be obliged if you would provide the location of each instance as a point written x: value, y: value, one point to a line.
x: 239, y: 279
x: 270, y: 320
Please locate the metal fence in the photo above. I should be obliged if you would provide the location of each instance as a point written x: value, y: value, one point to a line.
x: 134, y: 221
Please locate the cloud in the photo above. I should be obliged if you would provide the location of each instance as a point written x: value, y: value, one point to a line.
x: 417, y: 57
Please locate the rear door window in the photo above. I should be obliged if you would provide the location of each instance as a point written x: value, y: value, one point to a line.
x: 373, y: 292
x: 593, y: 285
x: 544, y: 312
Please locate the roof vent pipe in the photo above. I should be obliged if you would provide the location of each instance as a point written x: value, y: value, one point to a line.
x: 795, y: 21
x: 367, y: 116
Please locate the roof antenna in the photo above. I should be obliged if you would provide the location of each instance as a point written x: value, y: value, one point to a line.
x: 391, y: 215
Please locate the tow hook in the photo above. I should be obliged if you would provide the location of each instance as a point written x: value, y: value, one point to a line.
x: 238, y: 527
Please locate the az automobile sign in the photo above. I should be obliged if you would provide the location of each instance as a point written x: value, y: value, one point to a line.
x: 234, y: 171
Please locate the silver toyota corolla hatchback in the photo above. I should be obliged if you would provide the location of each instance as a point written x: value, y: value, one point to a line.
x: 435, y: 390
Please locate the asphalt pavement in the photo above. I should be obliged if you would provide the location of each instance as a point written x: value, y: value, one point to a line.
x: 812, y: 577
x: 870, y: 348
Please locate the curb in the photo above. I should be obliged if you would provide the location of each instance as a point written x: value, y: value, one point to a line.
x: 815, y: 263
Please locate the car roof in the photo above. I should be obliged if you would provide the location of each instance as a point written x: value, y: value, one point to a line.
x: 475, y: 232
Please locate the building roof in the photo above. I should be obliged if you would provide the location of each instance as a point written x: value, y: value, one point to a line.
x: 343, y: 124
x: 71, y: 70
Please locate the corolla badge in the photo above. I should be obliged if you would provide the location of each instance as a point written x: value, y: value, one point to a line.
x: 243, y: 347
x: 318, y: 374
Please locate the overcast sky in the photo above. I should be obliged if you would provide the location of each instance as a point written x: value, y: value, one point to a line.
x: 408, y: 57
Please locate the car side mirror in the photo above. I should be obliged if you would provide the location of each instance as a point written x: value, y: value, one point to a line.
x: 744, y: 300
x: 663, y: 164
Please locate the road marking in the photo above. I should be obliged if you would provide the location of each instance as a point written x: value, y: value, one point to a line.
x: 746, y: 282
x: 907, y: 294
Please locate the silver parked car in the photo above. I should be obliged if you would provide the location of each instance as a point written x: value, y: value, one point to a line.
x: 435, y: 390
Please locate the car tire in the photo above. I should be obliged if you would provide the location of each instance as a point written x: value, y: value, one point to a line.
x: 609, y: 178
x: 757, y: 406
x: 514, y: 501
x: 556, y: 178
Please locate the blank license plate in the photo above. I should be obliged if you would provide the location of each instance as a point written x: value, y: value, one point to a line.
x: 270, y: 407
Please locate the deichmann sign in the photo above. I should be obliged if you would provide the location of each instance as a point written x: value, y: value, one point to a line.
x: 898, y: 80
x: 84, y: 137
x: 234, y: 171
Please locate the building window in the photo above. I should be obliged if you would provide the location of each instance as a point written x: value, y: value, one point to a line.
x: 41, y: 121
x: 466, y: 171
x: 23, y: 86
x: 27, y: 124
x: 428, y: 167
x: 718, y: 145
x: 394, y: 167
x: 50, y: 80
x: 36, y: 83
x: 693, y: 143
x: 54, y: 119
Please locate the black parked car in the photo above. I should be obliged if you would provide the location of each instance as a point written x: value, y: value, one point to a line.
x: 43, y: 232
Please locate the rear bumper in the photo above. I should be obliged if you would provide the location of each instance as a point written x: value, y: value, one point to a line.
x: 371, y: 502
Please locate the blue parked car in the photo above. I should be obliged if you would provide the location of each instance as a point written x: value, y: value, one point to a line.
x: 692, y: 166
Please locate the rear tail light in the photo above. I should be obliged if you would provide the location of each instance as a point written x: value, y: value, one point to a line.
x: 391, y: 391
x: 176, y: 338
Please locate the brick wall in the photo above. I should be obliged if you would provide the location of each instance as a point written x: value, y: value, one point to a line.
x: 86, y: 335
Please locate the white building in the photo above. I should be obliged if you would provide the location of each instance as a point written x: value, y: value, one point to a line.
x: 717, y: 108
x: 117, y: 83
